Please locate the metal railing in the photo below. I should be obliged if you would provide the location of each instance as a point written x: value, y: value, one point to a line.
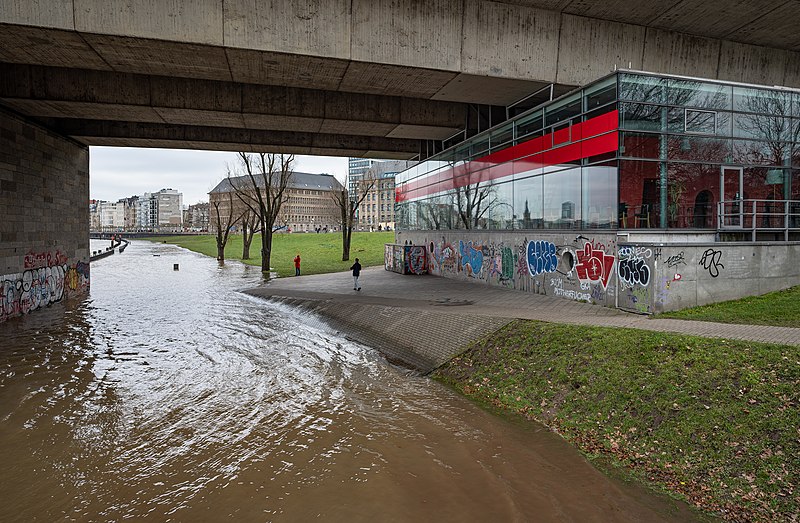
x: 759, y: 216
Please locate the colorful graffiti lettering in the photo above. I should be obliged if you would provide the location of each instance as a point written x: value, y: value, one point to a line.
x: 541, y: 256
x: 414, y: 257
x: 448, y: 259
x: 31, y: 290
x: 77, y: 277
x: 471, y: 258
x: 594, y: 265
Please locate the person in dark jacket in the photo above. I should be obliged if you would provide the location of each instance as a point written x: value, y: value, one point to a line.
x: 356, y: 268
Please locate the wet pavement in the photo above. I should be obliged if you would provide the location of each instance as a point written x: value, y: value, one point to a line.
x: 423, y: 321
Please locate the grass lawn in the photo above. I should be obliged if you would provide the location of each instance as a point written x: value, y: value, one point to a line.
x: 780, y: 308
x: 714, y: 421
x: 320, y: 253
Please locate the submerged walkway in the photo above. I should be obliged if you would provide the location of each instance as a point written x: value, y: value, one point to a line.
x: 424, y: 320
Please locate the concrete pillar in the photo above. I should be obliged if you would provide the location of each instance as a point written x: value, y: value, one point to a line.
x: 44, y: 233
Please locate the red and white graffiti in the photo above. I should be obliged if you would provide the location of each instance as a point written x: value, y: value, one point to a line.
x: 594, y: 265
x: 37, y: 260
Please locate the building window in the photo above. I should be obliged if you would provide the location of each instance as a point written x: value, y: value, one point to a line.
x: 700, y: 122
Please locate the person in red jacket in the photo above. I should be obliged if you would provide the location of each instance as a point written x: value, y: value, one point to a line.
x: 297, y: 265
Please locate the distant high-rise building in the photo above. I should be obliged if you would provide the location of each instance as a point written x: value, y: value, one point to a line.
x: 170, y: 205
x: 356, y: 167
x: 162, y: 209
x: 377, y: 209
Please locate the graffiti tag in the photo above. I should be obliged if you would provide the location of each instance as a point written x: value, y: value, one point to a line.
x: 678, y: 259
x: 471, y: 258
x: 594, y: 265
x: 541, y: 256
x: 711, y: 262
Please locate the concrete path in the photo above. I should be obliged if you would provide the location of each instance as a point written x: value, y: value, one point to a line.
x: 427, y: 309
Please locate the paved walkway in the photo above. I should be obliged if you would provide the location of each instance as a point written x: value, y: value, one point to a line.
x: 425, y: 320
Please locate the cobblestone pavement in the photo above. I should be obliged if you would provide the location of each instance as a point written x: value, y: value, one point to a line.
x: 431, y: 309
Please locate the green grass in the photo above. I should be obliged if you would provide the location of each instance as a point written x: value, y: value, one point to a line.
x: 713, y: 421
x: 320, y: 253
x: 780, y: 308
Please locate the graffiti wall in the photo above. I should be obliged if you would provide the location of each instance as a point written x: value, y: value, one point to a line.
x: 568, y: 266
x: 405, y: 259
x: 48, y: 278
x: 44, y: 237
x: 644, y: 278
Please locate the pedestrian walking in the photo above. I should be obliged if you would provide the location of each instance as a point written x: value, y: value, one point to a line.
x: 297, y: 265
x: 356, y: 268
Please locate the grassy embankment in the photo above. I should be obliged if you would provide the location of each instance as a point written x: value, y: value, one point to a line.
x: 320, y: 253
x: 713, y: 421
x: 780, y: 308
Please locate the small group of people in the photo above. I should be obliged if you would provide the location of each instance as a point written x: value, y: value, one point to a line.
x: 356, y: 268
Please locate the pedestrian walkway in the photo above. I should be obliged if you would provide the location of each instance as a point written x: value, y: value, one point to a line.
x: 428, y: 309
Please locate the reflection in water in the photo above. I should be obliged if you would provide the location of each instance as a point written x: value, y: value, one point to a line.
x: 167, y: 395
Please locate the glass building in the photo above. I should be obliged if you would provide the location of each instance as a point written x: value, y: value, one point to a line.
x: 632, y: 150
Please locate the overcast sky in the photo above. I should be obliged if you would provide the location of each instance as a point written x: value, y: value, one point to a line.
x: 119, y: 172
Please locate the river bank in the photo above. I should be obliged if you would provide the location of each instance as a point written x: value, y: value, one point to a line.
x: 712, y: 421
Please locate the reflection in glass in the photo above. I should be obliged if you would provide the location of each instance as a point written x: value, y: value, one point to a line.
x: 599, y: 195
x: 642, y: 88
x: 700, y: 122
x: 698, y: 148
x: 693, y: 93
x: 528, y: 202
x: 562, y: 197
x: 563, y: 110
x: 600, y: 94
x: 500, y: 215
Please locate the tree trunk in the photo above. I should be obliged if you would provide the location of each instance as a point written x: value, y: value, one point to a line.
x: 266, y: 247
x: 347, y: 233
x: 220, y: 251
x: 247, y: 239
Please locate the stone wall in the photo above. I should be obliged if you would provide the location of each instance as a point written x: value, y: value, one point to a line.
x: 625, y: 271
x: 44, y: 230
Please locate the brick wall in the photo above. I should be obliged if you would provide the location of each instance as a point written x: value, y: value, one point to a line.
x: 44, y: 217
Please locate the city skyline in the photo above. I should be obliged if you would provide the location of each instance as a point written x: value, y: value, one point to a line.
x: 121, y: 172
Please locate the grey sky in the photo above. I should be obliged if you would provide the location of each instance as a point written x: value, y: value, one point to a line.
x: 119, y: 172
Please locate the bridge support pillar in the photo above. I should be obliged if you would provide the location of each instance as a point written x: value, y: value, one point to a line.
x: 44, y: 222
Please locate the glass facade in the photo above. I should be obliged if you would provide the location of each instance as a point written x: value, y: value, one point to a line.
x: 632, y: 150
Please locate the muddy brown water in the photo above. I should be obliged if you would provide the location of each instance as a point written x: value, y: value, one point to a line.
x: 169, y: 396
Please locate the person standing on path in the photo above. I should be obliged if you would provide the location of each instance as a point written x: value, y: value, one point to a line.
x: 297, y: 265
x: 356, y: 268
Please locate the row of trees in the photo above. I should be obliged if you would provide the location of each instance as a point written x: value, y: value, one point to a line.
x: 258, y: 190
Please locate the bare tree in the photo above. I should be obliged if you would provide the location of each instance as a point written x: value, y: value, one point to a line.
x: 348, y: 205
x: 262, y: 189
x: 472, y: 199
x: 224, y: 222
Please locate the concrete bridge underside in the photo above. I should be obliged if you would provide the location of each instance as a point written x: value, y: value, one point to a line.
x: 373, y: 78
x: 352, y: 77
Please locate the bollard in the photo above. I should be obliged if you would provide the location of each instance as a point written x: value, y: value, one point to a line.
x: 175, y: 267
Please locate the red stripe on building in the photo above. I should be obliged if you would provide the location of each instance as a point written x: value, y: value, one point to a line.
x: 587, y: 140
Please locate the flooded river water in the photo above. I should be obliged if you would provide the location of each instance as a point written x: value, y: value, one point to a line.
x: 169, y: 396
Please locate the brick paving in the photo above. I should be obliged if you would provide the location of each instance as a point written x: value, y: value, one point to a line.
x: 422, y: 321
